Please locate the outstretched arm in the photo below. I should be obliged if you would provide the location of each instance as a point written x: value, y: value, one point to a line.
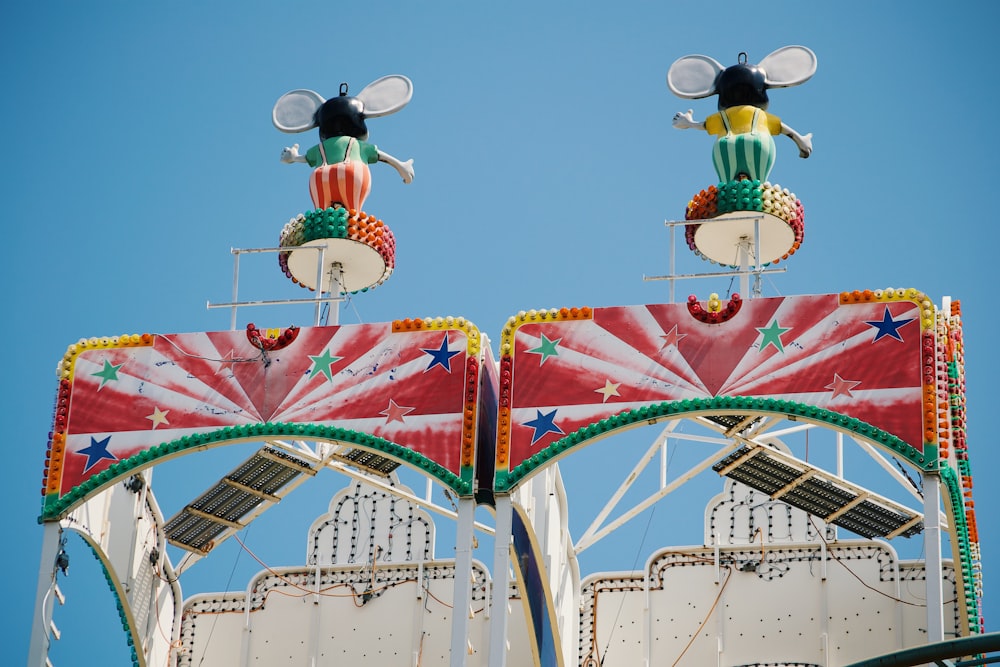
x: 405, y: 169
x: 804, y: 143
x: 686, y: 121
x: 291, y: 154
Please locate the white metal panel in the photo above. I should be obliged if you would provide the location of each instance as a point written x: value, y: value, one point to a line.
x: 619, y: 614
x: 914, y: 611
x: 779, y: 609
x: 357, y: 618
x: 770, y: 586
x: 380, y: 598
x: 741, y: 515
x: 362, y: 519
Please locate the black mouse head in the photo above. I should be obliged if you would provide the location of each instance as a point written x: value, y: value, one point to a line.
x: 341, y: 116
x: 742, y: 84
x: 696, y: 76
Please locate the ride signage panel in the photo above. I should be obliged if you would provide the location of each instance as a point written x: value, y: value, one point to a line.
x: 853, y: 356
x: 406, y: 386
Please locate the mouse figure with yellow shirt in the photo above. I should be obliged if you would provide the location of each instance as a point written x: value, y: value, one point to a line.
x: 744, y: 130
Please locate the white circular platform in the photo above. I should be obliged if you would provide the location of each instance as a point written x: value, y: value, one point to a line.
x: 719, y: 238
x: 362, y: 265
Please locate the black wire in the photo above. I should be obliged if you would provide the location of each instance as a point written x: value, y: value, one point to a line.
x: 215, y: 617
x: 906, y: 474
x: 621, y: 604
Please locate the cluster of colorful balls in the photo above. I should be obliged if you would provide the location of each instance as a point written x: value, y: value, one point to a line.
x: 337, y: 223
x: 747, y: 195
x: 714, y: 312
x: 268, y: 340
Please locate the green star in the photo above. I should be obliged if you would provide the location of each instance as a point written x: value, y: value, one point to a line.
x: 108, y: 373
x: 322, y: 364
x: 772, y: 336
x: 546, y: 349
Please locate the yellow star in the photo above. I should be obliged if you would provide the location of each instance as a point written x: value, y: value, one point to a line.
x: 158, y: 417
x: 609, y: 389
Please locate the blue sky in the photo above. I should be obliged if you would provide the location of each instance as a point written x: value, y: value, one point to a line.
x: 140, y: 150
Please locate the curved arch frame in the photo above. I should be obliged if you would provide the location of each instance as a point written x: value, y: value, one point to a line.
x: 731, y: 405
x: 56, y: 507
x: 124, y: 611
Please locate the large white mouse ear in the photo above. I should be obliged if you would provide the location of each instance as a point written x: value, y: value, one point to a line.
x: 386, y: 95
x: 295, y: 111
x: 788, y: 66
x: 692, y: 77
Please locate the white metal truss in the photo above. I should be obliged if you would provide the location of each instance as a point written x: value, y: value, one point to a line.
x: 597, y: 530
x: 231, y: 504
x: 752, y: 432
x: 331, y: 298
x: 749, y: 250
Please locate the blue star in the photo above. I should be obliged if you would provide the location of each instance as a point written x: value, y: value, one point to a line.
x: 441, y: 356
x: 543, y: 424
x: 887, y: 326
x: 96, y: 451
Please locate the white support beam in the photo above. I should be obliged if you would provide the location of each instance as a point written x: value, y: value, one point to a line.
x: 629, y: 480
x: 463, y: 582
x: 893, y: 471
x: 501, y: 581
x: 379, y: 482
x: 900, y: 478
x: 775, y: 435
x: 301, y: 449
x: 706, y: 463
x: 41, y: 622
x: 932, y: 551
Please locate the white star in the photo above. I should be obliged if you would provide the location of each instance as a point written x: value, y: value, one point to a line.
x: 609, y: 389
x: 158, y: 417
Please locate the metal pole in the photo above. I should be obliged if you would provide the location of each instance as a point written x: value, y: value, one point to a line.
x: 501, y: 581
x: 671, y: 263
x: 336, y: 285
x: 932, y: 547
x: 41, y: 622
x: 663, y: 463
x: 744, y: 268
x: 756, y: 257
x: 236, y: 289
x: 840, y: 455
x: 463, y: 581
x: 319, y: 284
